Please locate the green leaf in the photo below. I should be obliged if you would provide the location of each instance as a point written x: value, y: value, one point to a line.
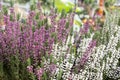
x: 55, y: 61
x: 59, y: 75
x: 67, y: 25
x: 18, y: 17
x: 5, y: 10
x: 51, y: 58
x: 119, y: 22
x: 32, y: 7
x: 71, y: 31
x: 61, y: 5
x: 29, y: 61
x: 33, y: 28
x: 77, y: 22
x: 118, y: 45
x: 110, y: 54
x: 11, y: 18
x: 78, y: 10
x: 37, y: 16
x: 45, y: 76
x: 11, y: 3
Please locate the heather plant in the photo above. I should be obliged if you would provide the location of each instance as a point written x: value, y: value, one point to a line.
x: 26, y: 46
x: 103, y: 63
x: 91, y: 55
x: 44, y: 46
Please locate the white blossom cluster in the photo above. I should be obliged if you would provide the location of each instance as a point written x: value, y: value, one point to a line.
x: 103, y: 60
x: 105, y: 57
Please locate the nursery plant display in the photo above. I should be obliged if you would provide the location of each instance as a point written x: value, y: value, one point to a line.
x: 45, y: 45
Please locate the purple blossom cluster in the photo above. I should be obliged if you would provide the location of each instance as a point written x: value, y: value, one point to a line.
x: 87, y: 53
x: 85, y: 28
x: 80, y: 64
x: 39, y: 73
x: 23, y: 39
x: 32, y: 39
x: 30, y: 69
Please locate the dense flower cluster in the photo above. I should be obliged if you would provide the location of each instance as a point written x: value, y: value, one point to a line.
x: 32, y: 39
x: 46, y: 47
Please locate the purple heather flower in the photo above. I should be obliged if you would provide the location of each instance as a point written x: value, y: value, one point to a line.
x: 92, y: 44
x: 11, y: 10
x: 52, y: 18
x: 6, y: 19
x: 39, y: 6
x: 85, y: 28
x: 34, y: 23
x: 87, y: 53
x: 30, y: 69
x: 61, y: 30
x: 39, y: 73
x: 32, y: 14
x: 19, y: 39
x: 31, y: 18
x: 85, y: 56
x: 52, y: 68
x: 41, y: 17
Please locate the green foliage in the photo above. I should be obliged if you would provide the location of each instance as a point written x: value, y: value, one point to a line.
x: 105, y: 77
x: 118, y: 64
x: 23, y: 1
x: 11, y: 3
x: 13, y: 69
x: 5, y: 11
x: 77, y: 23
x: 20, y: 1
x: 59, y: 76
x: 89, y: 1
x: 18, y: 17
x: 98, y: 37
x: 1, y: 71
x: 61, y: 5
x: 45, y: 77
x: 119, y: 22
x: 109, y: 2
x: 118, y: 45
x: 11, y: 18
x: 32, y: 7
x: 71, y: 31
x: 63, y: 13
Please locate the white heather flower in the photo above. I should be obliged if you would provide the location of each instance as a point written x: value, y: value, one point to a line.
x: 2, y: 27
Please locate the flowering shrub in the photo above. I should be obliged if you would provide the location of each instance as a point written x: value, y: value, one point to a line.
x: 103, y: 63
x: 28, y: 42
x: 45, y: 47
